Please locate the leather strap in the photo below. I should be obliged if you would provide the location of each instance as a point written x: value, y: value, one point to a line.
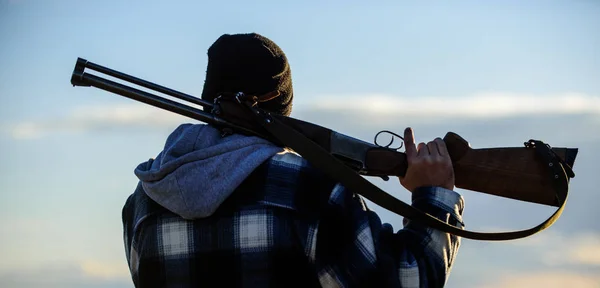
x: 323, y: 160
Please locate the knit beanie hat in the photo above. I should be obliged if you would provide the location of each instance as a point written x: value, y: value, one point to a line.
x: 249, y: 63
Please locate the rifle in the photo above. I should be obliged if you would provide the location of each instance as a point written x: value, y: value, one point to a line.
x: 535, y: 173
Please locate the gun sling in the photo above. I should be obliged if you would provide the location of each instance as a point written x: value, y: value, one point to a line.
x: 324, y: 161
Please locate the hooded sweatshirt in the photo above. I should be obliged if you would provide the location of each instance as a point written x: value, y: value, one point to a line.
x: 199, y: 169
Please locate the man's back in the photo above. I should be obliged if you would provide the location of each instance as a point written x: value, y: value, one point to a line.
x: 286, y: 225
x: 214, y: 209
x: 250, y: 240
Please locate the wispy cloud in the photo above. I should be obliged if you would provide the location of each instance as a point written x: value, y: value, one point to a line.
x: 105, y: 270
x: 557, y: 249
x: 546, y: 279
x: 481, y: 105
x: 83, y: 119
x: 68, y: 274
x: 548, y: 259
x: 493, y: 105
x: 587, y: 251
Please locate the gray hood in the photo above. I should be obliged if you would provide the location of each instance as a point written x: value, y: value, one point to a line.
x: 198, y: 169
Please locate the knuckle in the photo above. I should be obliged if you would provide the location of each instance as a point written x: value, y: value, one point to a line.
x: 434, y: 159
x: 440, y: 162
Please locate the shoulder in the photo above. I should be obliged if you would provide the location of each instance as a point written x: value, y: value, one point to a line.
x: 288, y: 180
x: 294, y: 168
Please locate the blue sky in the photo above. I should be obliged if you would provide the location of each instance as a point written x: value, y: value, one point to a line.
x: 497, y: 73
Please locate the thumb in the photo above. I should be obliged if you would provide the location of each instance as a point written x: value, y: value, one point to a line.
x: 409, y: 144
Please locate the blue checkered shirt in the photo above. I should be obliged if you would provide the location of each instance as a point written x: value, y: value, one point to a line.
x: 288, y: 225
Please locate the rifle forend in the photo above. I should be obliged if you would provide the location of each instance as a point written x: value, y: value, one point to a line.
x: 513, y: 172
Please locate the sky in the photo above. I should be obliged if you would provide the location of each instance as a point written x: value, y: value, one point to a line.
x: 498, y: 74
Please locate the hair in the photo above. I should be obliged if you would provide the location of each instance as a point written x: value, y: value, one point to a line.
x: 252, y: 64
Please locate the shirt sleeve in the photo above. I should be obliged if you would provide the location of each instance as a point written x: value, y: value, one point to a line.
x: 354, y: 248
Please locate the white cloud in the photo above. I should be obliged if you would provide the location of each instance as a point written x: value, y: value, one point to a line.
x: 83, y: 119
x: 105, y: 270
x: 581, y: 249
x: 587, y: 251
x: 492, y: 105
x: 481, y: 105
x: 558, y: 249
x: 68, y: 274
x: 545, y: 279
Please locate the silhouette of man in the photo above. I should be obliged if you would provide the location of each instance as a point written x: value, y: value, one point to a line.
x: 237, y: 211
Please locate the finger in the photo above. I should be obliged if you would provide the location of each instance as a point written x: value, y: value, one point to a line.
x: 422, y: 149
x: 409, y: 143
x: 443, y: 150
x: 433, y: 148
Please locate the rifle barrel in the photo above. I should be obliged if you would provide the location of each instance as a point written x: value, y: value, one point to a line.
x: 132, y: 79
x: 81, y: 78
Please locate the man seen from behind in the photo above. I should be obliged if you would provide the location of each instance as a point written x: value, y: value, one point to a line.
x: 215, y: 210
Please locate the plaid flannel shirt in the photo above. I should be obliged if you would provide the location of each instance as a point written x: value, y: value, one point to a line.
x: 288, y: 225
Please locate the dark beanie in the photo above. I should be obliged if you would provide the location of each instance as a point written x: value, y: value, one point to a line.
x: 249, y: 63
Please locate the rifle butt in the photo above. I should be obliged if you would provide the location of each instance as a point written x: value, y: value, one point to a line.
x: 513, y: 172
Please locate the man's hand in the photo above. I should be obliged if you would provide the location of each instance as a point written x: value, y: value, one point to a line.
x: 428, y: 164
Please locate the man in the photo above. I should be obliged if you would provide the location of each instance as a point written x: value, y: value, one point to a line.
x: 236, y: 211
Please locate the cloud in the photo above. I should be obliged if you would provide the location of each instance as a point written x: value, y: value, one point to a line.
x: 104, y: 270
x: 546, y: 279
x: 579, y: 250
x: 372, y: 107
x: 558, y: 249
x: 90, y: 273
x: 86, y: 119
x: 587, y: 251
x: 482, y: 105
x: 553, y: 256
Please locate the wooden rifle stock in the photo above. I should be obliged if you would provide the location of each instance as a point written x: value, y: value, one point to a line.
x: 512, y: 172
